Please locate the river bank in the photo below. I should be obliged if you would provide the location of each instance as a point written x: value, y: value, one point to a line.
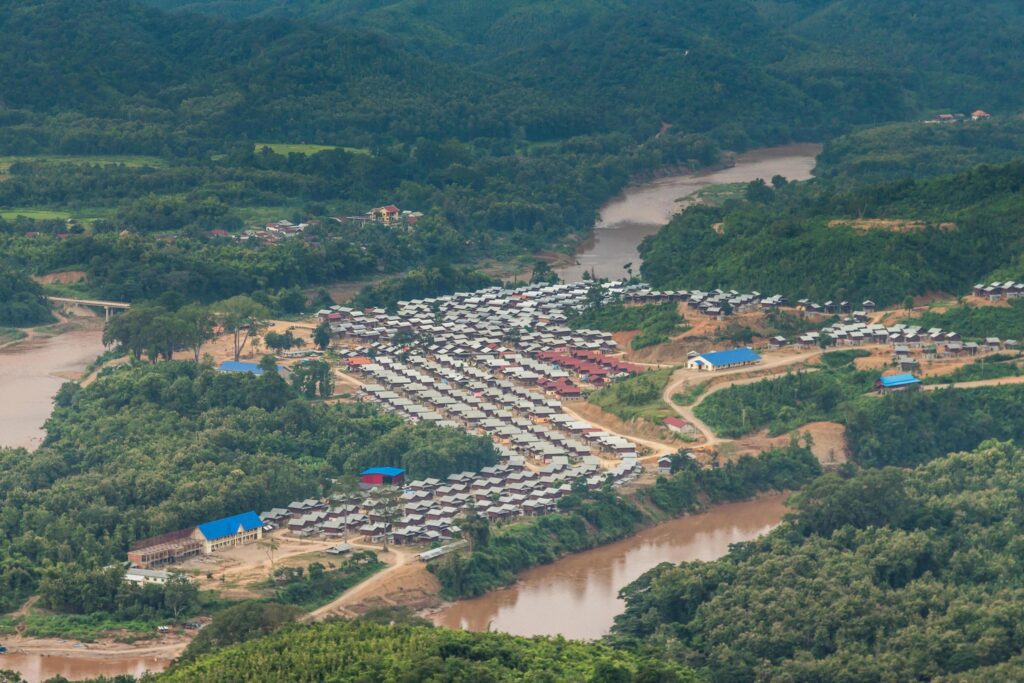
x: 642, y: 209
x: 33, y: 369
x: 577, y: 596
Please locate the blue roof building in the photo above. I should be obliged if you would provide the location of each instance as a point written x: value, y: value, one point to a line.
x: 898, y: 383
x: 243, y: 366
x: 718, y: 360
x: 382, y: 476
x: 244, y: 528
x: 386, y: 471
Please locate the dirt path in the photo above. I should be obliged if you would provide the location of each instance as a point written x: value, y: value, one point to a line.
x: 405, y: 574
x: 686, y: 376
x: 660, y: 448
x: 999, y: 381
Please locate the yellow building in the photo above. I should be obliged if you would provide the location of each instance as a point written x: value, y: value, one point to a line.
x: 230, y: 531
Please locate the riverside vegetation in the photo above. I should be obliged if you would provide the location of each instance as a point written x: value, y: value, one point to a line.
x: 590, y: 518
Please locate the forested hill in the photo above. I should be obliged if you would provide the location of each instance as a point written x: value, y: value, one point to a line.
x: 773, y: 65
x: 749, y: 73
x: 207, y: 79
x: 826, y: 240
x: 886, y: 575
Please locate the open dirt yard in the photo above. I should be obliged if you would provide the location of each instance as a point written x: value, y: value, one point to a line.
x: 67, y: 277
x: 829, y: 442
x: 887, y: 224
x: 655, y: 439
x: 237, y: 571
x: 405, y: 582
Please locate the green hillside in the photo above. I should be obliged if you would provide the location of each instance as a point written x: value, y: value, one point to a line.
x: 884, y: 575
x: 828, y: 240
x: 342, y: 651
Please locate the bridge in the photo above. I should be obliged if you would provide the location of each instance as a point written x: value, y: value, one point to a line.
x: 107, y: 306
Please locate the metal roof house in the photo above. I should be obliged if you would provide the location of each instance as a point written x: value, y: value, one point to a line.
x: 250, y: 368
x: 382, y: 476
x: 720, y: 360
x: 902, y: 382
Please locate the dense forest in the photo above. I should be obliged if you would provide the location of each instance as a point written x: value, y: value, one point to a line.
x: 826, y: 240
x: 883, y: 575
x: 154, y: 448
x: 153, y: 122
x: 365, y: 651
x: 21, y: 300
x: 916, y: 150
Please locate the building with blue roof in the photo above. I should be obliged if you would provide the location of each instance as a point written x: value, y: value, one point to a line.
x: 230, y: 531
x: 382, y: 476
x: 720, y: 360
x: 243, y: 366
x: 904, y: 382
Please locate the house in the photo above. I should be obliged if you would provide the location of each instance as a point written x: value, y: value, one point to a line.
x: 664, y: 465
x: 903, y: 382
x: 678, y: 425
x: 382, y: 476
x: 720, y: 360
x: 980, y: 115
x: 388, y: 215
x: 229, y: 531
x: 146, y: 576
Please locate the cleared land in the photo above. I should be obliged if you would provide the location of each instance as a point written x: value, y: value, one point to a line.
x: 286, y: 148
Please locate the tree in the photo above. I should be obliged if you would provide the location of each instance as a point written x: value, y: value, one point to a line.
x: 322, y: 336
x: 196, y: 327
x: 313, y: 377
x: 476, y: 529
x: 180, y: 594
x: 242, y: 317
x: 389, y: 505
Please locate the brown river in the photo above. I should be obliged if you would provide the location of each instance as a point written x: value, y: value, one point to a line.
x: 38, y: 668
x: 32, y: 371
x: 577, y: 597
x: 642, y: 209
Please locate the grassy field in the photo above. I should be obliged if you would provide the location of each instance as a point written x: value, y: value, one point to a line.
x: 134, y: 161
x: 44, y: 213
x: 285, y: 148
x: 35, y: 214
x: 638, y: 396
x: 716, y: 195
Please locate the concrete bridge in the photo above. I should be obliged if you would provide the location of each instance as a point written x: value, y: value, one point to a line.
x: 108, y: 306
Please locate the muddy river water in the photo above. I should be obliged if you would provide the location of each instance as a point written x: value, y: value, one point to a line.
x: 32, y: 371
x: 642, y: 209
x: 577, y: 596
x: 38, y: 668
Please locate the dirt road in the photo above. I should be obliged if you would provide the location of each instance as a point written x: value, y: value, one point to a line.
x: 404, y: 575
x: 659, y: 448
x: 686, y: 376
x: 999, y: 381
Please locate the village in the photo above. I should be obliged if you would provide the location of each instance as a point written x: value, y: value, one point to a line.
x: 504, y: 363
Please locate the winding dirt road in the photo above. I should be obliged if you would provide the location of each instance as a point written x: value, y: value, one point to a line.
x: 685, y: 376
